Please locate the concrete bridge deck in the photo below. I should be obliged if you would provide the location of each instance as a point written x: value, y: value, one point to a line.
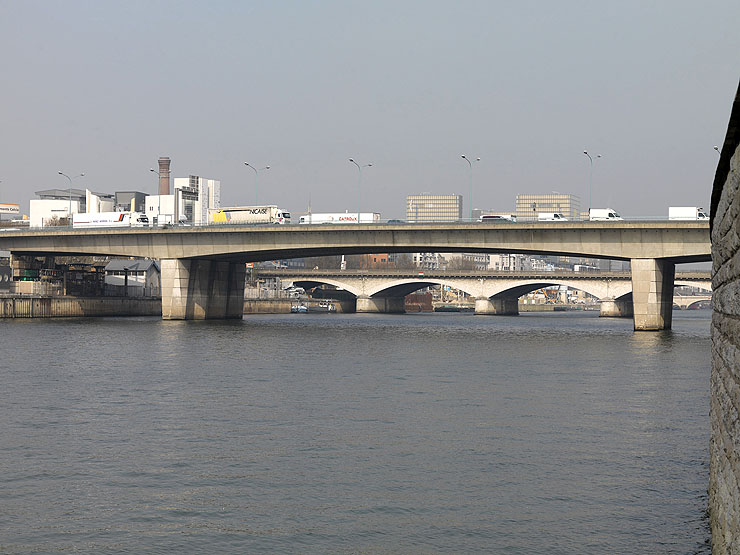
x: 203, y: 267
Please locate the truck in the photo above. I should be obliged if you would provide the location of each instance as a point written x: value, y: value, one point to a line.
x: 249, y: 215
x: 603, y: 215
x: 551, y: 217
x: 340, y: 218
x: 687, y: 213
x: 109, y: 219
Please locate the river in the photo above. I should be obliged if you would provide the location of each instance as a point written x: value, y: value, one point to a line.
x: 347, y: 433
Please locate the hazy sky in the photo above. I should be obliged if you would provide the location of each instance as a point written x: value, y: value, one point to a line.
x: 106, y: 88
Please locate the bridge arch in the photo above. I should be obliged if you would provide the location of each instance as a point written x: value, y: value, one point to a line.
x: 477, y: 288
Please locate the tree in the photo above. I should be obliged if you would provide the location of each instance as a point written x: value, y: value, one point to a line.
x: 404, y: 261
x: 460, y: 263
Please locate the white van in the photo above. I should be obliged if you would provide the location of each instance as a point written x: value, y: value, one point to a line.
x: 551, y: 217
x: 603, y: 215
x: 493, y: 218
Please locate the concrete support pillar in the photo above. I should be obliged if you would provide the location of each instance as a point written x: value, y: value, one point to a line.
x: 507, y: 307
x: 389, y: 305
x: 202, y: 289
x: 652, y: 293
x: 616, y: 308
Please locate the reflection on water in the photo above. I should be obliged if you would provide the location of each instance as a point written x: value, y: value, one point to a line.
x: 359, y: 433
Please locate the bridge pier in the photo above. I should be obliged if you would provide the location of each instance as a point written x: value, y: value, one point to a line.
x: 387, y: 305
x: 505, y: 307
x: 616, y: 308
x: 198, y: 289
x: 652, y: 293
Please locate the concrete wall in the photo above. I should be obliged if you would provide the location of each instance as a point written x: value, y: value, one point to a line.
x: 724, y: 461
x: 57, y: 307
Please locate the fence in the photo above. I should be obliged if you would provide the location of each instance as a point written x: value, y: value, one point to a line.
x: 131, y: 291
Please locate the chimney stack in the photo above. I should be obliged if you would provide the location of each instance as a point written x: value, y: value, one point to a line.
x: 164, y: 175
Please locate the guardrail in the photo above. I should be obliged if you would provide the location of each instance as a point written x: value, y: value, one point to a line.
x: 391, y: 222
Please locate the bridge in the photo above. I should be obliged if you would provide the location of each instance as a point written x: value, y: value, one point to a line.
x: 688, y: 301
x: 494, y: 292
x: 203, y: 267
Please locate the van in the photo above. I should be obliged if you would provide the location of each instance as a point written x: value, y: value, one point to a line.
x: 551, y: 217
x: 603, y: 215
x: 493, y: 218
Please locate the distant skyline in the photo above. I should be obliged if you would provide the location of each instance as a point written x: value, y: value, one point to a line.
x: 106, y: 88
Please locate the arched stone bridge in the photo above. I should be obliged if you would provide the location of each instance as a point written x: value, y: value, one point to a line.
x: 494, y: 292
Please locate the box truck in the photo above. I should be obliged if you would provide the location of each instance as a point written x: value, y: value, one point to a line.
x: 248, y: 215
x: 687, y: 213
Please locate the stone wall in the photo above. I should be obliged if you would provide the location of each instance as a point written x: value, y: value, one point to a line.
x: 59, y: 307
x: 724, y: 464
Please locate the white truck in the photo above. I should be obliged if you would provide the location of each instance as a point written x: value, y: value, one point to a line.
x: 551, y: 217
x: 603, y: 215
x: 247, y: 215
x: 109, y: 219
x: 687, y: 213
x: 340, y: 218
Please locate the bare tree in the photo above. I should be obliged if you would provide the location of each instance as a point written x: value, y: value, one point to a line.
x: 461, y: 264
x: 404, y: 261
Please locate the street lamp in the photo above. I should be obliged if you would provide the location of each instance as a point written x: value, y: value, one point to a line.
x: 70, y: 192
x: 159, y: 196
x: 718, y: 150
x: 471, y: 181
x: 591, y: 176
x: 256, y: 180
x: 359, y: 184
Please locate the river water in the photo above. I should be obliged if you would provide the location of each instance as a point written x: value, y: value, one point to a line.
x: 355, y: 433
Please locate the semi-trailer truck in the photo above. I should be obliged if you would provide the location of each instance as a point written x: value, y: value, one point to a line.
x: 340, y: 218
x: 109, y: 219
x: 247, y: 215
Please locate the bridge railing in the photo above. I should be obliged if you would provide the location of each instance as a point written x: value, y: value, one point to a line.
x: 391, y: 221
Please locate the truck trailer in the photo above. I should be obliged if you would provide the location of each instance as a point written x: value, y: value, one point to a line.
x: 109, y: 219
x: 249, y: 215
x: 687, y: 213
x: 340, y: 218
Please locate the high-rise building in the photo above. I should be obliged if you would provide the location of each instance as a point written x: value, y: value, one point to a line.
x: 429, y: 207
x: 529, y: 205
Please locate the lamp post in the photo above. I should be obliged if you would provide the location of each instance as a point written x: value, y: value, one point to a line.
x: 159, y: 196
x: 471, y: 181
x: 256, y: 180
x: 590, y: 176
x: 359, y: 184
x: 70, y: 192
x: 718, y: 150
